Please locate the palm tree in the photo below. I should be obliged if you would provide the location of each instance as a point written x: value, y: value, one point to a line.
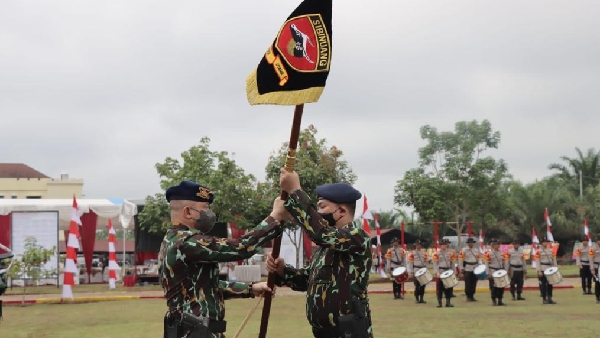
x: 588, y: 165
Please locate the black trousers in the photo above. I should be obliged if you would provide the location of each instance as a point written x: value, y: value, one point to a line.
x: 419, y: 289
x: 397, y: 287
x: 586, y: 277
x: 597, y: 286
x: 470, y: 283
x: 496, y: 292
x: 545, y: 287
x: 516, y: 282
x: 441, y: 290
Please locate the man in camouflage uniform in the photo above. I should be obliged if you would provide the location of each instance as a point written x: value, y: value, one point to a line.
x: 337, y: 278
x: 396, y: 257
x: 495, y: 260
x: 468, y: 258
x: 417, y: 260
x: 594, y: 257
x: 545, y: 258
x: 583, y: 263
x: 189, y: 261
x: 443, y: 261
x: 517, y: 268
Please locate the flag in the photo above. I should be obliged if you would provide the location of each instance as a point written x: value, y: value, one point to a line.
x: 72, y: 246
x: 112, y: 256
x: 586, y: 231
x: 366, y: 216
x: 481, y: 245
x: 381, y: 265
x: 548, y: 226
x: 295, y: 67
x: 534, y: 242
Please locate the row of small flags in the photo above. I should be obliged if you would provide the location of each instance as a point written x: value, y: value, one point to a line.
x: 71, y: 267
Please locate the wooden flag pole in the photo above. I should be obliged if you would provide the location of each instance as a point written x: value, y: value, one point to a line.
x: 289, y: 166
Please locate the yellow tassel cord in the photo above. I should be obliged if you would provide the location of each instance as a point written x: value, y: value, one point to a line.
x: 284, y: 98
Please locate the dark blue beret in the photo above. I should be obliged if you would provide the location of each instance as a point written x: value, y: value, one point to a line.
x: 471, y: 240
x: 338, y: 193
x: 189, y: 191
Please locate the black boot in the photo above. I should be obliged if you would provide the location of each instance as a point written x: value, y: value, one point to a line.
x: 494, y: 302
x: 589, y: 290
x: 545, y: 301
x: 513, y: 295
x: 416, y: 298
x: 448, y: 304
x: 439, y: 302
x: 421, y: 300
x: 550, y: 301
x: 500, y: 303
x: 519, y: 297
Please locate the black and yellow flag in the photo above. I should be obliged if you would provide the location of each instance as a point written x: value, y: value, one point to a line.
x: 294, y: 69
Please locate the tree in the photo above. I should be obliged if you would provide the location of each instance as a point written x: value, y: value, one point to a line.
x: 588, y: 165
x: 454, y: 182
x: 30, y: 263
x: 235, y: 196
x: 316, y: 163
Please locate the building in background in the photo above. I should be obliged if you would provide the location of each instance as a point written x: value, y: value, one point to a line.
x: 18, y: 180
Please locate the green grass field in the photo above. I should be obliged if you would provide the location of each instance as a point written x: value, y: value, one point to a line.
x: 574, y: 314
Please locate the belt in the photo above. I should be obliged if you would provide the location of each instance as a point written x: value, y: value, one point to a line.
x: 443, y: 268
x: 214, y: 326
x: 418, y: 267
x: 469, y: 263
x: 516, y: 266
x: 396, y: 262
x: 542, y: 263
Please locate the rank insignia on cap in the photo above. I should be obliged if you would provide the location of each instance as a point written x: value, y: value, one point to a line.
x: 203, y: 193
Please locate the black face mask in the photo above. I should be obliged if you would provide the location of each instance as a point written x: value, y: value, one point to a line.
x: 206, y: 221
x: 328, y: 217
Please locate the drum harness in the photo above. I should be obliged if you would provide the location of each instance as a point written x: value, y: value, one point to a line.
x: 469, y: 263
x: 421, y: 259
x: 497, y: 261
x: 396, y: 254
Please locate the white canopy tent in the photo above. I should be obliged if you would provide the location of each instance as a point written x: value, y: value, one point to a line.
x: 120, y: 211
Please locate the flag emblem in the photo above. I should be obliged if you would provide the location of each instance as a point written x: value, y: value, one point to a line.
x: 304, y: 43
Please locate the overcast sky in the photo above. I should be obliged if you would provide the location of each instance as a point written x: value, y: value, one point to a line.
x: 103, y: 90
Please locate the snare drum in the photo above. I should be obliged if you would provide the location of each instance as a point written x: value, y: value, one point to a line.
x: 501, y: 279
x: 553, y: 275
x: 449, y: 279
x: 481, y: 272
x: 423, y: 276
x: 400, y: 274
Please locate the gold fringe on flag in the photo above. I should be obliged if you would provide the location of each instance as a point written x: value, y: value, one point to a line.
x: 285, y: 98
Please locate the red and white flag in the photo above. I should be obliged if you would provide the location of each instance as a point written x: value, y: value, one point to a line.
x: 366, y: 215
x: 481, y: 246
x: 72, y: 247
x: 548, y: 226
x: 381, y: 265
x: 586, y: 231
x: 112, y: 256
x: 534, y: 242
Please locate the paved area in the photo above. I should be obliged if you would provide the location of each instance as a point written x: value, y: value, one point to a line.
x: 375, y: 287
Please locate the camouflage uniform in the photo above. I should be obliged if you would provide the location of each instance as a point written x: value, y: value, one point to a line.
x: 338, y: 272
x: 189, y: 265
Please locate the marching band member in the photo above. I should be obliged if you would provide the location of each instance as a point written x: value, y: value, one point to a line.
x: 417, y: 260
x: 583, y: 263
x: 396, y: 257
x: 442, y: 261
x: 517, y: 269
x: 545, y: 258
x: 468, y: 258
x: 495, y: 260
x: 594, y: 257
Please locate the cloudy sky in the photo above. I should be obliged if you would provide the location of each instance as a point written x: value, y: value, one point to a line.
x: 103, y: 90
